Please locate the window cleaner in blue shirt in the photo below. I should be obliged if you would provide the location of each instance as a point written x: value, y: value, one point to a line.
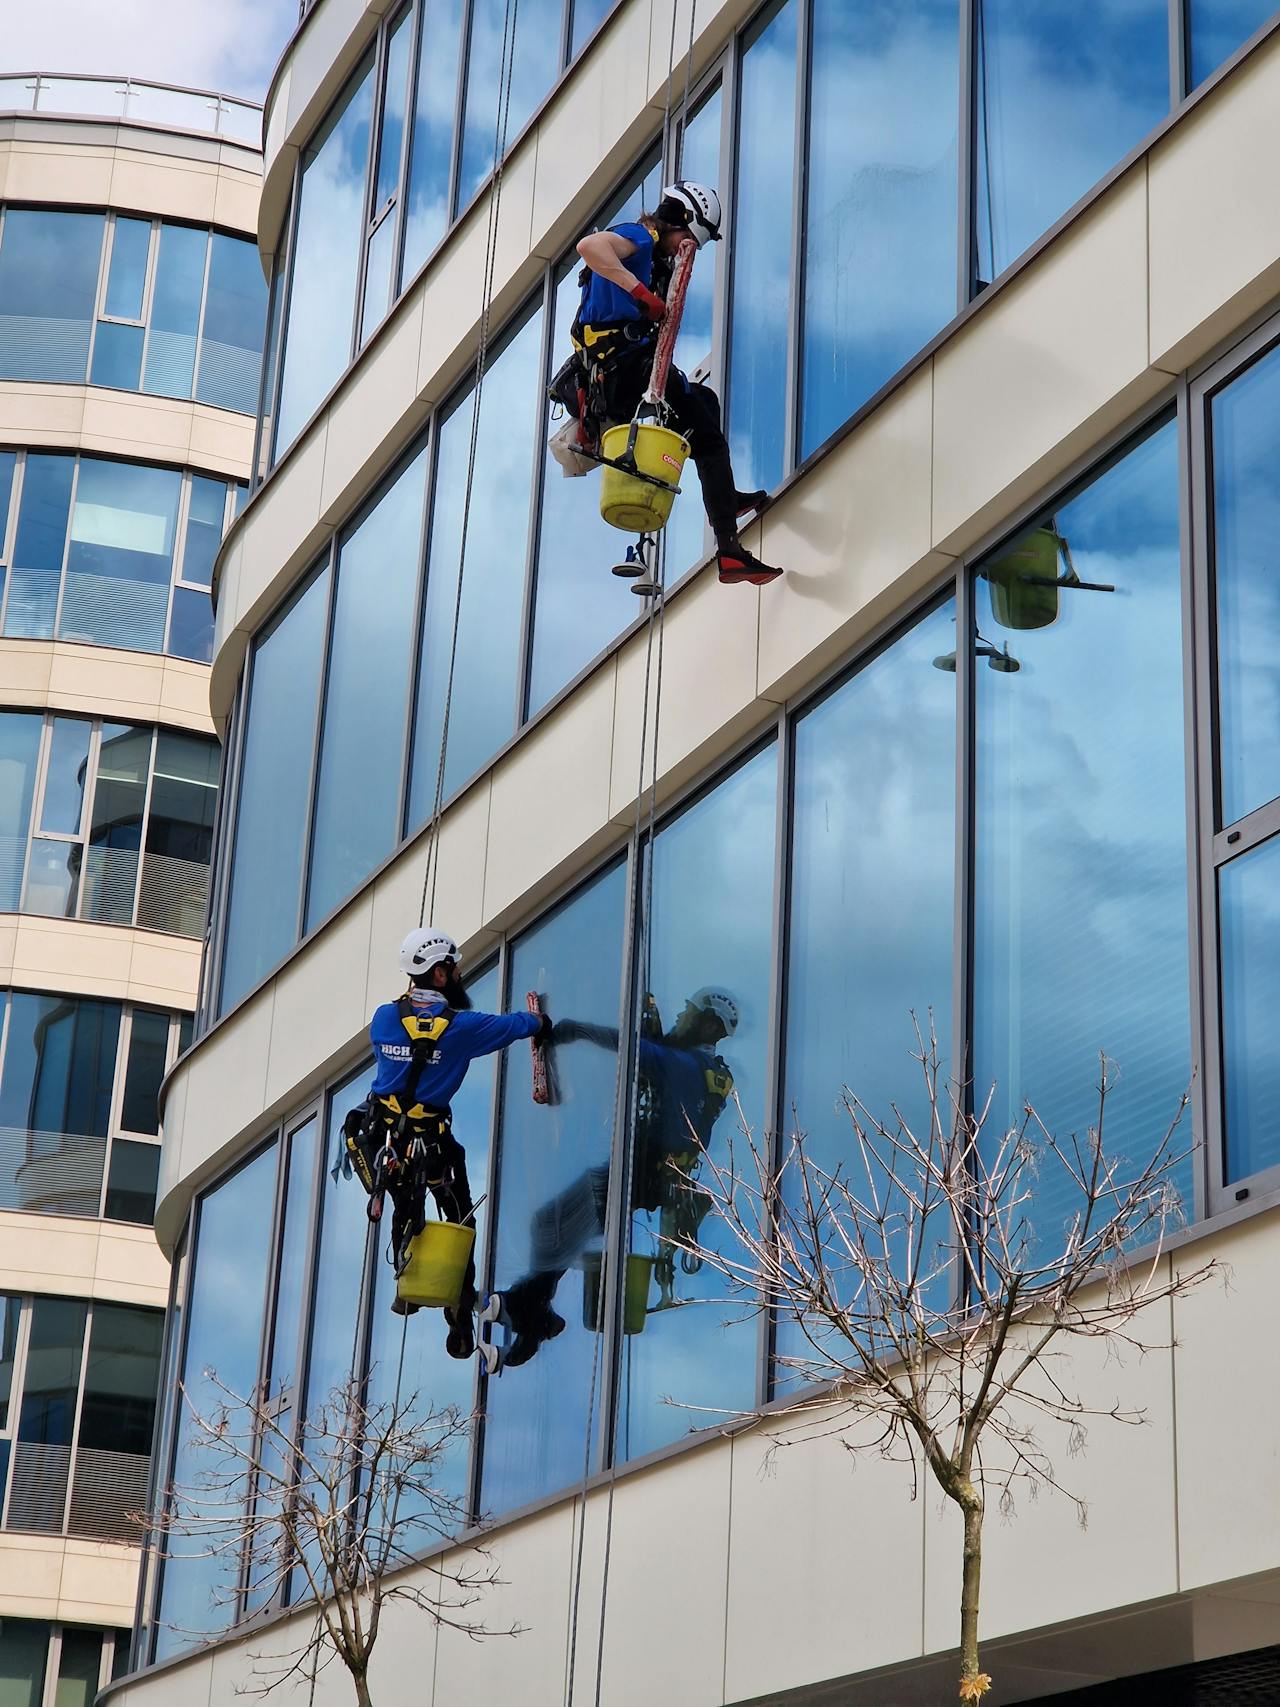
x: 423, y: 1043
x: 614, y: 335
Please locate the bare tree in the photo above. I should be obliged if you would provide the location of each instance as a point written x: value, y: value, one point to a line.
x: 925, y: 1302
x: 343, y: 1506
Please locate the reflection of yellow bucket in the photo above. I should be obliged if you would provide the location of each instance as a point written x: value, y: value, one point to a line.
x: 1019, y: 602
x: 437, y: 1265
x: 637, y: 506
x: 634, y: 1306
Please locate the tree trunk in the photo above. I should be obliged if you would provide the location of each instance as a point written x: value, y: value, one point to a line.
x: 973, y: 1683
x: 363, y: 1697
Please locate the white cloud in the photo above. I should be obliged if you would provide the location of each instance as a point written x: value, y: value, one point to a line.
x: 231, y: 46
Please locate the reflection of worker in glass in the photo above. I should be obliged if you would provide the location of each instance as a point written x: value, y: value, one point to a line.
x: 683, y: 1086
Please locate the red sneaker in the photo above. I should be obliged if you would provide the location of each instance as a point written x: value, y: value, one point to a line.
x: 735, y: 563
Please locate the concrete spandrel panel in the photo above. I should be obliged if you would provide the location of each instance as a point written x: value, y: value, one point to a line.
x: 825, y: 1561
x: 557, y: 780
x: 458, y: 866
x: 319, y: 58
x: 221, y: 441
x: 176, y: 189
x: 47, y: 1253
x: 94, y: 960
x: 224, y: 1094
x: 184, y: 696
x: 1041, y: 1565
x: 24, y: 672
x: 534, y: 1562
x: 167, y: 966
x: 1228, y: 1395
x: 187, y: 1684
x: 664, y: 1609
x: 851, y: 538
x: 235, y: 201
x: 369, y: 409
x: 57, y: 175
x: 1214, y: 214
x: 30, y: 1574
x: 710, y: 642
x: 319, y: 1008
x: 38, y: 415
x: 285, y: 513
x: 99, y: 1583
x: 154, y: 428
x: 1044, y: 369
x: 130, y: 1266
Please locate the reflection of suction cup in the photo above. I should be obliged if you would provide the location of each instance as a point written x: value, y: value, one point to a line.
x: 946, y: 662
x: 997, y: 659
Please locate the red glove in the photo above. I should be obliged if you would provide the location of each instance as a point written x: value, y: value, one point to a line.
x: 652, y: 304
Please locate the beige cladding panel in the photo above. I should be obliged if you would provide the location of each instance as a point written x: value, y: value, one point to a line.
x: 81, y: 1259
x: 184, y: 189
x: 1044, y: 370
x: 30, y: 1575
x: 127, y: 423
x: 56, y: 173
x: 61, y: 1578
x: 116, y: 961
x: 84, y: 164
x: 222, y: 1094
x: 387, y: 387
x: 319, y: 1004
x: 68, y: 676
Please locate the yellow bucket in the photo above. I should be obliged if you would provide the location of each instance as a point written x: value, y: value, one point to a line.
x: 1024, y: 592
x: 637, y: 506
x: 635, y: 1305
x: 437, y: 1265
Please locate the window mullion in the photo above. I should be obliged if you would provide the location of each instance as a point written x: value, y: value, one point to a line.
x: 18, y: 1389
x: 204, y: 303
x: 146, y: 817
x: 37, y: 803
x: 75, y: 1423
x: 66, y: 549
x: 87, y: 806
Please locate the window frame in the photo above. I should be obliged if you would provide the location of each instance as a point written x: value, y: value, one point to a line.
x: 1220, y: 842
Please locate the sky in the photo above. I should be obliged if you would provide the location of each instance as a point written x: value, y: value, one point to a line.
x: 230, y: 46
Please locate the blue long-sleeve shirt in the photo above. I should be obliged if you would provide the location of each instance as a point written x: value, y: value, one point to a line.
x: 467, y: 1035
x: 607, y: 304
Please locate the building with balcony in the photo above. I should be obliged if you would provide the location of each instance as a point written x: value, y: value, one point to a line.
x: 998, y: 323
x: 132, y: 306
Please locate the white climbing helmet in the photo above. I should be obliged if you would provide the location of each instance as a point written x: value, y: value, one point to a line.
x: 718, y: 1002
x: 701, y: 210
x: 424, y: 948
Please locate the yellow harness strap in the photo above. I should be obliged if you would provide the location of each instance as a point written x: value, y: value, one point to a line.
x: 420, y: 1031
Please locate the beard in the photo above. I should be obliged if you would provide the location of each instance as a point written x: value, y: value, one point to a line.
x: 455, y: 993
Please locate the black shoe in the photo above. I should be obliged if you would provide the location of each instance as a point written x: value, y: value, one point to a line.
x: 527, y: 1340
x: 461, y: 1339
x: 745, y: 502
x: 735, y: 563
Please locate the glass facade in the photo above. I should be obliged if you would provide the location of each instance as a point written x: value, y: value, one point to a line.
x: 110, y: 553
x: 79, y: 1381
x: 71, y: 1659
x: 106, y: 821
x: 136, y: 304
x: 79, y: 1115
x: 1080, y: 818
x: 1242, y: 432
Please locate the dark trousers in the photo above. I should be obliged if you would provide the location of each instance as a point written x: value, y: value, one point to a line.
x: 695, y: 413
x: 443, y: 1172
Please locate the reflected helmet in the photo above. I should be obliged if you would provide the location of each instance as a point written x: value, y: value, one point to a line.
x: 424, y: 948
x: 693, y: 206
x: 709, y: 1000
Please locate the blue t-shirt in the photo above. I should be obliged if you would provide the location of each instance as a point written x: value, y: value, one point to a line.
x: 467, y: 1035
x: 605, y: 303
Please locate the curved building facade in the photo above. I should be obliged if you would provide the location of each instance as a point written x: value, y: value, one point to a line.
x: 132, y: 308
x: 997, y: 321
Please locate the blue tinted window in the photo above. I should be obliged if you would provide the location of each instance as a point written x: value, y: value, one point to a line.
x: 38, y: 550
x: 536, y: 61
x: 588, y: 15
x: 224, y: 1329
x: 1246, y: 443
x: 394, y: 105
x: 579, y: 605
x: 144, y: 1071
x: 367, y: 694
x: 1064, y: 92
x: 872, y: 891
x: 431, y: 145
x: 48, y: 1413
x: 1081, y: 841
x: 26, y: 1646
x: 121, y: 555
x: 117, y: 355
x: 235, y: 313
x: 175, y: 310
x: 880, y: 234
x: 335, y: 1303
x: 1249, y: 912
x: 326, y: 259
x: 1218, y: 28
x: 115, y: 831
x: 761, y: 305
x: 275, y: 774
x: 286, y: 1336
x: 133, y: 1172
x: 48, y: 282
x: 8, y: 460
x: 191, y: 626
x: 706, y: 1041
x: 127, y: 270
x: 553, y: 1182
x: 66, y: 774
x: 19, y: 748
x: 483, y: 713
x: 204, y: 529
